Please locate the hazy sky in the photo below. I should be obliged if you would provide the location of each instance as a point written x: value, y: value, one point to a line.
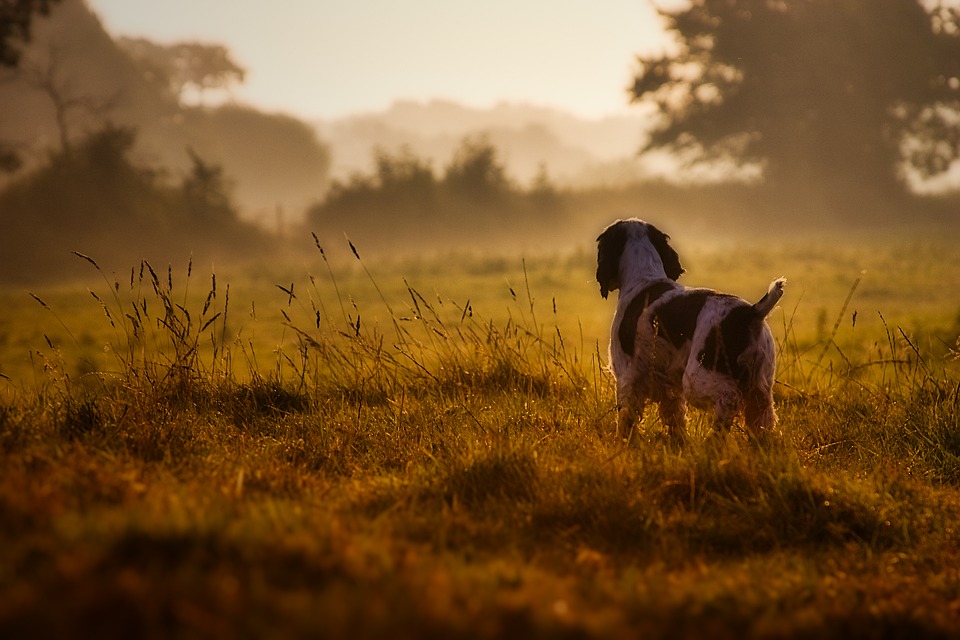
x: 327, y: 58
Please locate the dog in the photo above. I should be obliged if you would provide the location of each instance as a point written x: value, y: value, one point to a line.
x: 675, y: 345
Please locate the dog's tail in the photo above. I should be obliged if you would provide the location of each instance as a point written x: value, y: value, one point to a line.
x: 766, y: 304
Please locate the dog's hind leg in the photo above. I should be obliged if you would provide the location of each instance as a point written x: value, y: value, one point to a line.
x: 726, y: 407
x: 630, y: 408
x: 759, y: 414
x: 628, y: 415
x: 673, y: 414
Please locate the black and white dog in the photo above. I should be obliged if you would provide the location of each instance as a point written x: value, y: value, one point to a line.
x: 671, y: 344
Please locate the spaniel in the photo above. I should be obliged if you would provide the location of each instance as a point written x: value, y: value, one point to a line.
x: 671, y: 344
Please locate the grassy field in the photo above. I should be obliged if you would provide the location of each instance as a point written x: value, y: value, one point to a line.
x: 369, y: 448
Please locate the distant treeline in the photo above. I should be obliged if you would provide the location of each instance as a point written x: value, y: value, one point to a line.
x: 93, y: 199
x: 404, y: 205
x: 472, y: 202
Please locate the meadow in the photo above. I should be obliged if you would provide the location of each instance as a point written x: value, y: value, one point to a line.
x: 334, y: 446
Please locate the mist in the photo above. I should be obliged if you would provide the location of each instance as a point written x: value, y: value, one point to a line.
x: 126, y: 149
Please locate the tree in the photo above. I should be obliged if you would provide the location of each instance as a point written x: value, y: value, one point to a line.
x: 15, y: 19
x: 195, y: 66
x: 402, y: 187
x: 476, y: 172
x: 831, y: 97
x: 206, y: 195
x: 404, y: 175
x: 48, y: 72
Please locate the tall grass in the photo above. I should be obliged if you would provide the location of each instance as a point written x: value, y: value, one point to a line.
x: 409, y: 465
x: 889, y: 404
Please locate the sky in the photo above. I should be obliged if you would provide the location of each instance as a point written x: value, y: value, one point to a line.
x: 330, y: 58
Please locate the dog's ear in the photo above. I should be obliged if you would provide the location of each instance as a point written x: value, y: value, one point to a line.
x: 669, y: 257
x: 610, y: 246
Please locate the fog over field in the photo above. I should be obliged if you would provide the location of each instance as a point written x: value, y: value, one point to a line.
x: 122, y: 147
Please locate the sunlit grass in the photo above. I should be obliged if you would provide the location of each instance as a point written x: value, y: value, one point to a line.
x: 418, y: 449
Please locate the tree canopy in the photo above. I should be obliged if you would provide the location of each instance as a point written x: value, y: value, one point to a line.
x: 828, y: 96
x: 184, y: 66
x: 15, y: 19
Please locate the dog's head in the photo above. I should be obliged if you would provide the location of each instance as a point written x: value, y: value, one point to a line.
x: 614, y: 240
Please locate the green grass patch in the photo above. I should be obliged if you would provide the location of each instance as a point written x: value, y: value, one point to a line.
x: 366, y: 455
